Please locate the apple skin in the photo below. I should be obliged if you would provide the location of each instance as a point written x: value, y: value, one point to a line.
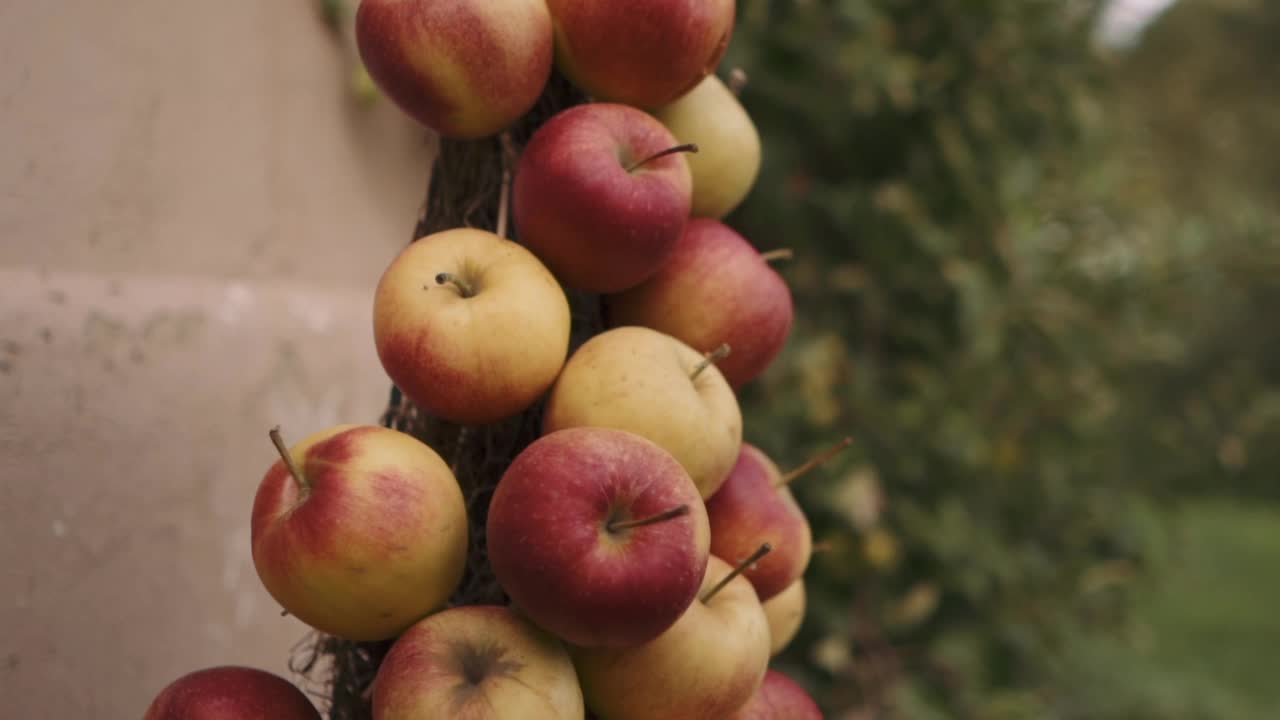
x: 464, y: 68
x: 748, y: 510
x: 704, y: 667
x: 785, y: 612
x: 642, y: 53
x: 779, y: 698
x: 471, y: 360
x: 714, y: 288
x: 728, y: 159
x: 599, y: 226
x: 377, y: 542
x: 222, y: 693
x: 551, y: 550
x: 478, y: 662
x: 637, y: 379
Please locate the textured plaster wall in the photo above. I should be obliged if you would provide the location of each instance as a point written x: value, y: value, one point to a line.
x: 192, y: 219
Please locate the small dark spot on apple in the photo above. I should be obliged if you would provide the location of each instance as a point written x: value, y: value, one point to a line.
x: 13, y: 661
x: 5, y: 367
x: 12, y: 347
x: 46, y: 335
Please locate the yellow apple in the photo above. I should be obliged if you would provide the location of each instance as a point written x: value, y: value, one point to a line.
x: 704, y: 667
x: 472, y: 327
x: 650, y: 384
x: 785, y: 612
x: 728, y: 158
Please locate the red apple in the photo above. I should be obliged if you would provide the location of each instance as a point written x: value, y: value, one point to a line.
x: 640, y: 52
x: 714, y: 288
x: 472, y: 327
x: 651, y: 384
x: 704, y: 667
x: 477, y: 662
x: 752, y: 507
x: 464, y: 68
x: 359, y: 531
x: 779, y: 698
x: 593, y: 201
x: 599, y: 536
x: 231, y: 693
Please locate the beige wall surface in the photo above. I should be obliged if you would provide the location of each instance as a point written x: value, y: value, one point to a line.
x: 192, y: 218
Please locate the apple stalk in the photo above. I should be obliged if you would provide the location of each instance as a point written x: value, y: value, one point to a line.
x: 464, y: 288
x: 303, y: 486
x: 687, y: 147
x: 764, y: 549
x: 711, y: 358
x: 814, y: 462
x: 775, y: 255
x: 675, y: 512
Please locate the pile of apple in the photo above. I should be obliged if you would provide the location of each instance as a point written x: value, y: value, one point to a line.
x: 653, y: 560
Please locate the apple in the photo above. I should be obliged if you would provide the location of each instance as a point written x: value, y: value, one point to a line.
x: 359, y: 531
x: 704, y: 667
x: 785, y: 612
x: 728, y: 159
x: 480, y: 662
x: 231, y: 693
x: 779, y: 698
x: 464, y: 68
x: 472, y: 327
x: 714, y: 288
x: 751, y: 506
x: 643, y: 52
x: 601, y: 194
x: 599, y: 536
x: 651, y: 384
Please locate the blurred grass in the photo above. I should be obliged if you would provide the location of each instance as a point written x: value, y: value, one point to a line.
x: 1207, y: 639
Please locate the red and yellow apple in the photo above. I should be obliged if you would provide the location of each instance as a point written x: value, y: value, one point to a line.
x: 596, y: 198
x: 704, y: 667
x: 752, y: 506
x: 655, y: 386
x: 359, y: 531
x: 715, y: 288
x: 472, y: 327
x: 779, y: 698
x: 464, y: 68
x: 728, y: 158
x: 640, y: 52
x: 479, y: 662
x: 231, y: 693
x: 599, y: 536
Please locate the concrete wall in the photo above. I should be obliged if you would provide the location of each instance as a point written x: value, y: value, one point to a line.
x: 193, y: 215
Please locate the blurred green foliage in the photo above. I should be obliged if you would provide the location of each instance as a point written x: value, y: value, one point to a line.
x: 1006, y: 297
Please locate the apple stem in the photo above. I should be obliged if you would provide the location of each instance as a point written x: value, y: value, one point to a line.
x: 687, y: 147
x: 283, y: 449
x: 763, y: 550
x: 779, y: 254
x: 674, y: 512
x: 737, y: 81
x: 815, y: 461
x: 711, y: 358
x: 504, y: 196
x: 464, y: 287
